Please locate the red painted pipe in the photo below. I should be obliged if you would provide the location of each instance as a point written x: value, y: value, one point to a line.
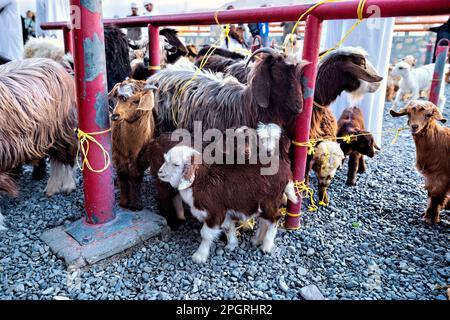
x: 429, y: 53
x: 68, y: 40
x: 439, y: 67
x: 303, y: 122
x: 93, y: 114
x: 154, y: 50
x: 327, y: 11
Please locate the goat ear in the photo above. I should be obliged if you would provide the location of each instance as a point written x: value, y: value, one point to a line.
x: 147, y: 102
x: 261, y: 84
x: 189, y: 174
x: 361, y: 73
x: 438, y: 115
x: 400, y: 113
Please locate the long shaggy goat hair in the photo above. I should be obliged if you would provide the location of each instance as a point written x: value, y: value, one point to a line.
x: 117, y: 56
x: 38, y: 119
x: 274, y: 94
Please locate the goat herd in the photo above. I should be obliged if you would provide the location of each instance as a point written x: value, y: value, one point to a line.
x: 256, y: 97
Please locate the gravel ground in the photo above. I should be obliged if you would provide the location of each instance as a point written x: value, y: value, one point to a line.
x: 369, y: 244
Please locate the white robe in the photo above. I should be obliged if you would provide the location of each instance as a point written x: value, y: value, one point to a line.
x: 51, y: 11
x: 375, y: 36
x: 11, y: 38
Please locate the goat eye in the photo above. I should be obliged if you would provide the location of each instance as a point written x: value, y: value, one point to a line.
x: 428, y: 115
x: 400, y: 68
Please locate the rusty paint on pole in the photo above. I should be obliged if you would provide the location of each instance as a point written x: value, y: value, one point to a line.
x: 154, y: 50
x: 303, y: 121
x: 429, y: 53
x: 438, y: 74
x: 93, y: 114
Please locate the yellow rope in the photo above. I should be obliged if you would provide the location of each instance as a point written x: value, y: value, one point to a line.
x: 284, y: 213
x: 84, y: 146
x: 156, y: 68
x: 306, y: 192
x: 360, y: 12
x: 397, y: 134
x: 319, y: 105
x: 246, y: 225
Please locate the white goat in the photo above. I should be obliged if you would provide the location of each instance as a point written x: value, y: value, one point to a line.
x: 414, y: 81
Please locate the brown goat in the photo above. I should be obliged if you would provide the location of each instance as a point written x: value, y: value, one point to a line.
x: 169, y: 202
x: 433, y: 153
x: 132, y: 128
x: 229, y: 196
x: 345, y: 69
x: 351, y: 122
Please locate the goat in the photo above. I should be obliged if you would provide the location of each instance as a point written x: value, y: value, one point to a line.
x: 393, y: 83
x: 192, y: 52
x: 293, y: 47
x: 433, y: 153
x: 345, y: 69
x: 51, y: 49
x: 152, y: 155
x: 273, y: 95
x: 415, y: 81
x: 118, y: 65
x: 116, y: 51
x: 219, y: 52
x: 327, y: 159
x: 172, y: 51
x: 132, y: 128
x: 351, y: 123
x: 230, y: 197
x: 39, y: 123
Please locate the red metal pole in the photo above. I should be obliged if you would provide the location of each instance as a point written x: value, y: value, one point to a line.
x: 154, y: 50
x: 68, y: 40
x: 303, y: 121
x: 439, y: 67
x: 93, y: 115
x: 327, y: 11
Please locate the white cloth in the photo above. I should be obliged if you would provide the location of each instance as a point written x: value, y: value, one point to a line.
x: 11, y: 38
x: 51, y: 11
x: 375, y: 36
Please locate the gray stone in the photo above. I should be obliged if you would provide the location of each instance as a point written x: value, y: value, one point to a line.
x: 310, y: 252
x: 302, y: 272
x: 447, y: 257
x: 282, y: 284
x: 311, y: 292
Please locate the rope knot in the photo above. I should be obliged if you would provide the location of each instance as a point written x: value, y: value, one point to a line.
x: 84, y: 141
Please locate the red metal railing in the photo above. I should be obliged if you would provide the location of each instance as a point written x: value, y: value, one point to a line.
x: 327, y: 11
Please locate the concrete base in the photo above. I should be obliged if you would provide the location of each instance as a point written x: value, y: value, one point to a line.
x: 82, y: 244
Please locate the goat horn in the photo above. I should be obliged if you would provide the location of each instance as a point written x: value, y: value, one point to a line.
x: 267, y: 50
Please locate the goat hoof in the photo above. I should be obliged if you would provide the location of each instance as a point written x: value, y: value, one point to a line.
x: 350, y: 183
x: 256, y: 242
x: 231, y: 246
x: 361, y: 170
x: 199, y: 258
x: 267, y: 248
x: 431, y: 221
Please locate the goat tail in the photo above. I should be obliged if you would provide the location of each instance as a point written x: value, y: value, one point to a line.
x: 290, y: 192
x: 8, y: 186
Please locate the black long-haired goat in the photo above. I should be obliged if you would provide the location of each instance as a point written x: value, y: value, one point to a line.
x: 273, y: 94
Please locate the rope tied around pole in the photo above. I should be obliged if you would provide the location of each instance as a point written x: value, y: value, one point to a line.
x: 84, y: 141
